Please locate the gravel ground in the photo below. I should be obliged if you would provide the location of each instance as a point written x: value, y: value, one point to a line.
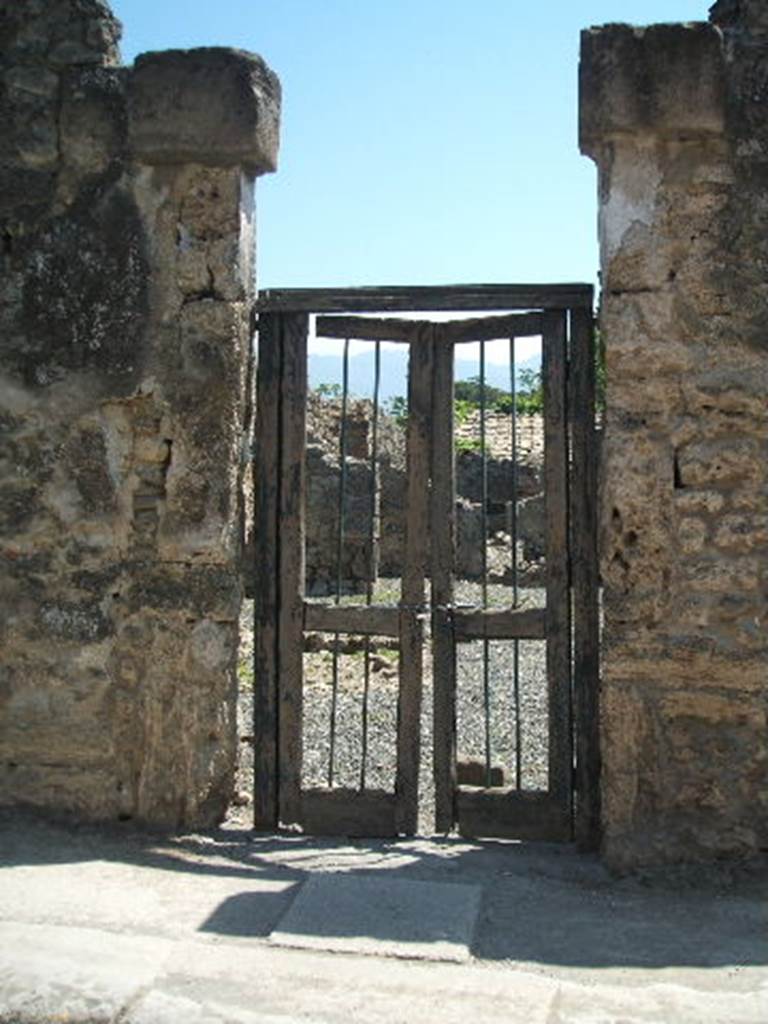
x: 382, y: 710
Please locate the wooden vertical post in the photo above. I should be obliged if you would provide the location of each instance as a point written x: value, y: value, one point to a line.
x: 586, y: 632
x: 558, y: 629
x: 291, y: 527
x: 414, y: 572
x: 266, y: 569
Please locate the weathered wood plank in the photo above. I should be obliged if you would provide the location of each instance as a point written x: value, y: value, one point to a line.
x: 443, y: 545
x: 293, y: 401
x: 447, y: 297
x: 584, y: 569
x: 486, y: 328
x: 367, y: 620
x: 266, y: 569
x: 363, y: 328
x: 349, y: 812
x: 511, y: 814
x: 557, y: 582
x: 500, y: 624
x: 249, y: 419
x: 413, y: 589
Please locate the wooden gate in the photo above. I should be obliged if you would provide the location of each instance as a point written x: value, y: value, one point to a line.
x: 427, y: 609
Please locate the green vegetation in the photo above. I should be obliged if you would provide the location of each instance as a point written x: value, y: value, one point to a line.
x: 245, y: 673
x: 462, y: 409
x: 397, y: 408
x: 528, y: 401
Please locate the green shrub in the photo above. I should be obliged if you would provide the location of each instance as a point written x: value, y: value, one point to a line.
x: 529, y: 398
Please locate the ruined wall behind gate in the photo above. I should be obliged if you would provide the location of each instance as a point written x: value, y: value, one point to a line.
x: 674, y: 116
x: 126, y: 241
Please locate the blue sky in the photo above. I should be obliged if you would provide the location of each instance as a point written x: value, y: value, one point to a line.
x: 423, y: 142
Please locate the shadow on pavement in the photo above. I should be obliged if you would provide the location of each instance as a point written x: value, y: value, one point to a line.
x: 540, y: 904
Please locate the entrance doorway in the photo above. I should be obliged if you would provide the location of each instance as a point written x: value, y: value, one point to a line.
x: 446, y: 560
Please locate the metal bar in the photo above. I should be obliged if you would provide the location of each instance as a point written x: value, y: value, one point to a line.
x: 484, y: 564
x: 364, y: 712
x: 339, y: 555
x: 514, y: 481
x: 374, y: 562
x: 558, y: 612
x: 449, y: 297
x: 266, y: 570
x: 484, y: 480
x: 585, y: 580
x: 513, y: 543
x: 375, y: 495
x: 442, y: 535
x: 293, y: 410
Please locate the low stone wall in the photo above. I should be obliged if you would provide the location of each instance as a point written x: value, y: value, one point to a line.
x: 126, y: 242
x: 674, y: 116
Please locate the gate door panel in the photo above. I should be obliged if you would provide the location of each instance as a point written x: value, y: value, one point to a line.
x: 334, y: 808
x: 480, y: 804
x: 493, y: 580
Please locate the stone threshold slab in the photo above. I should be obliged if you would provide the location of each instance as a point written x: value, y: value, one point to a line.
x: 379, y: 916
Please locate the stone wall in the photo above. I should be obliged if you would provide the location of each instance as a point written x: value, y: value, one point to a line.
x: 126, y: 240
x: 674, y: 116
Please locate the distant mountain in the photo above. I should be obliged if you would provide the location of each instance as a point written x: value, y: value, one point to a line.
x: 326, y: 369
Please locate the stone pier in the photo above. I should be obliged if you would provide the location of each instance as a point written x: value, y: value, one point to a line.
x: 675, y: 118
x: 126, y: 240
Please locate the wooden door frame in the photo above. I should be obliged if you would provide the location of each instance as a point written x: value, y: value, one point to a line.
x: 283, y: 318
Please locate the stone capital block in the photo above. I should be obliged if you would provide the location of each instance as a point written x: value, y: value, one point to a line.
x: 211, y: 105
x: 735, y: 14
x: 665, y: 81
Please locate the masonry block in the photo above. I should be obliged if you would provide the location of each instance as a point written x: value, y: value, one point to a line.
x: 666, y: 80
x: 211, y: 106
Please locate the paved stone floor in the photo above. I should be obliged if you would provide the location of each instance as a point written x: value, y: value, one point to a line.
x: 102, y: 925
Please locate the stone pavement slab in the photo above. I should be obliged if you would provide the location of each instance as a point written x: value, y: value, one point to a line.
x: 60, y: 975
x: 102, y: 926
x: 381, y: 916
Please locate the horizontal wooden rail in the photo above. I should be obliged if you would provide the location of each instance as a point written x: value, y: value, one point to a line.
x: 506, y: 624
x: 511, y: 814
x: 383, y: 620
x: 348, y: 812
x: 368, y: 620
x: 515, y: 325
x: 427, y: 298
x: 487, y: 328
x: 363, y: 328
